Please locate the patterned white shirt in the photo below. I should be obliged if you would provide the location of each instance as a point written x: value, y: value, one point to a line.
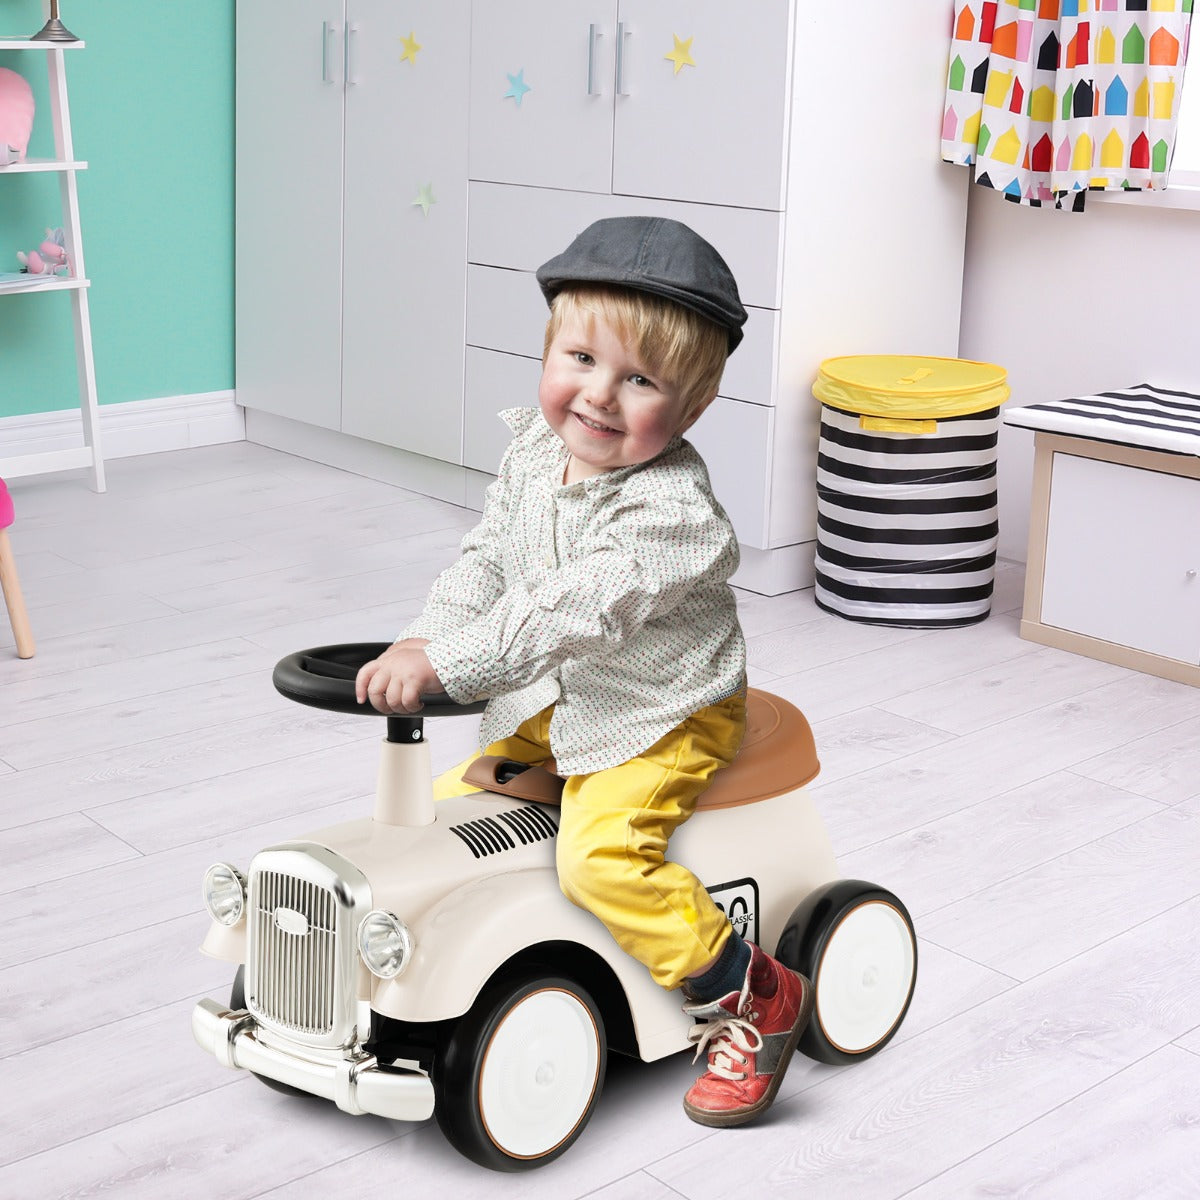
x: 608, y: 598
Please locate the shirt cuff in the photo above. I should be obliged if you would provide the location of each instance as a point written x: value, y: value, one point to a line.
x: 424, y: 627
x: 457, y: 669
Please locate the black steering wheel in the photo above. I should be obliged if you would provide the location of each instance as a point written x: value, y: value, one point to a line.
x: 323, y: 677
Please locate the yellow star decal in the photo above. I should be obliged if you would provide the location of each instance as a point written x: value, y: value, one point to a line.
x: 681, y: 56
x: 424, y: 198
x: 410, y: 48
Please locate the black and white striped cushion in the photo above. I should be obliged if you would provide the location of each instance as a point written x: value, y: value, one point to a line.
x: 1153, y: 418
x: 907, y: 522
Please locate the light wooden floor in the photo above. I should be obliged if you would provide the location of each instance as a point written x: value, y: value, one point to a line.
x: 1038, y: 812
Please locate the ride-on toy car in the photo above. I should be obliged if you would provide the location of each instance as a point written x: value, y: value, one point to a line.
x: 423, y: 961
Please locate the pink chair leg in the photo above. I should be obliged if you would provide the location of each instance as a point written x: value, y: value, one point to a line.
x: 13, y: 599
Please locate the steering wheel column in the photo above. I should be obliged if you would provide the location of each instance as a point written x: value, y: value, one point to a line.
x: 324, y: 678
x: 404, y: 784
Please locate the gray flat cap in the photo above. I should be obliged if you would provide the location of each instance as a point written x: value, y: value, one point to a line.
x: 651, y: 254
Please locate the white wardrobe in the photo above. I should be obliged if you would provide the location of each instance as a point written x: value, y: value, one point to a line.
x: 394, y: 202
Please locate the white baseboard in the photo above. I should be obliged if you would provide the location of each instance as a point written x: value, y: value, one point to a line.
x: 428, y: 476
x: 135, y: 427
x: 773, y: 572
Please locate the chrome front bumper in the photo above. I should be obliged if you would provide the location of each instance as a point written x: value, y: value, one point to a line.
x: 359, y: 1085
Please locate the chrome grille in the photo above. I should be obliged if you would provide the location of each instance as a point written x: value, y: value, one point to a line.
x: 305, y: 903
x: 294, y: 987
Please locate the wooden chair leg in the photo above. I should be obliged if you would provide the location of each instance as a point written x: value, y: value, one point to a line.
x: 13, y: 600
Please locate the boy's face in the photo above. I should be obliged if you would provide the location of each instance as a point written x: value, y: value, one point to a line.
x: 610, y: 409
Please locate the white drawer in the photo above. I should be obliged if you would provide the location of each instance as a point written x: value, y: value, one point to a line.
x: 494, y: 382
x: 506, y: 311
x: 521, y: 227
x: 735, y: 441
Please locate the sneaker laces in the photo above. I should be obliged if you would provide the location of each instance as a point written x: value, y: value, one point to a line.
x: 729, y: 1039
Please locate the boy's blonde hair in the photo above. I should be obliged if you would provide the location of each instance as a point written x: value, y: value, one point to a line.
x: 682, y: 346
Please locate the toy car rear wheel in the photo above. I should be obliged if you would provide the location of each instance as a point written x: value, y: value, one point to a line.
x: 856, y: 942
x: 519, y: 1077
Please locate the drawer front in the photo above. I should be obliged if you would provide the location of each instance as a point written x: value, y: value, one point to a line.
x: 521, y: 227
x: 494, y: 382
x: 735, y: 441
x: 506, y: 311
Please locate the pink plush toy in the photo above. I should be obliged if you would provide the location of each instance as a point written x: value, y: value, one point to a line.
x: 50, y: 258
x: 16, y: 115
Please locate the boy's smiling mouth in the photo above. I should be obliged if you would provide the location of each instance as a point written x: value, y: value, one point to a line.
x: 594, y: 426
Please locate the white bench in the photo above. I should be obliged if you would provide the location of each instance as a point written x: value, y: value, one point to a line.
x: 1114, y: 532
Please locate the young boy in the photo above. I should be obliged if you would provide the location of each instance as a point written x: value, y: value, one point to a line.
x: 591, y: 604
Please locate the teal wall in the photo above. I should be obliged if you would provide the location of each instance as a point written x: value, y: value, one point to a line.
x: 151, y: 98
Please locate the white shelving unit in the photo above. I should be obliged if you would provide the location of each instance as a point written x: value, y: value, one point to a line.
x: 65, y: 165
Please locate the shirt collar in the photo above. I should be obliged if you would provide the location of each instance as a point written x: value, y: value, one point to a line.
x: 612, y: 479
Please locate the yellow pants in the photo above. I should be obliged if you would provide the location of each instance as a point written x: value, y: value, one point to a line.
x: 613, y: 832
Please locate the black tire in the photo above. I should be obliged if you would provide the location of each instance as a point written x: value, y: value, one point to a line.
x: 237, y: 999
x: 856, y: 942
x: 519, y: 1076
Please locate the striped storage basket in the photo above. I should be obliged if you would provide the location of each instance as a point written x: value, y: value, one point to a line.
x: 906, y: 489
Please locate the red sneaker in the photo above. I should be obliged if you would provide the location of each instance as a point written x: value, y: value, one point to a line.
x: 750, y: 1037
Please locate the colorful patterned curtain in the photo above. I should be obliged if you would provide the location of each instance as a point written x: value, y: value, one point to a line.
x: 1050, y: 98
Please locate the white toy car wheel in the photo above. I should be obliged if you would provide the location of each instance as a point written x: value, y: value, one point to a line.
x: 856, y: 942
x: 520, y: 1075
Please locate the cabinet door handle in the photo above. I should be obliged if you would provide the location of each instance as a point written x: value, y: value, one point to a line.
x: 327, y: 32
x: 351, y: 31
x: 591, y: 80
x: 621, y: 34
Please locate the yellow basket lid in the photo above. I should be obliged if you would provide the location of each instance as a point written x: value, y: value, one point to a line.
x: 908, y: 386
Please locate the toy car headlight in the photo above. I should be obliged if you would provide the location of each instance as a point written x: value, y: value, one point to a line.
x: 224, y: 893
x: 384, y: 943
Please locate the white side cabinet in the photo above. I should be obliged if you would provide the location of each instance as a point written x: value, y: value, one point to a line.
x: 350, y: 295
x: 1114, y: 555
x: 795, y: 140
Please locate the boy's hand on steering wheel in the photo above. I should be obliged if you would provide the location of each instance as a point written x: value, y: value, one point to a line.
x: 396, y: 680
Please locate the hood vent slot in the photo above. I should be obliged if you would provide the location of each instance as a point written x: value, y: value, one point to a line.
x: 506, y: 830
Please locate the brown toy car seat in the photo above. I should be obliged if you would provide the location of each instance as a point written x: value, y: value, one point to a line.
x: 778, y: 755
